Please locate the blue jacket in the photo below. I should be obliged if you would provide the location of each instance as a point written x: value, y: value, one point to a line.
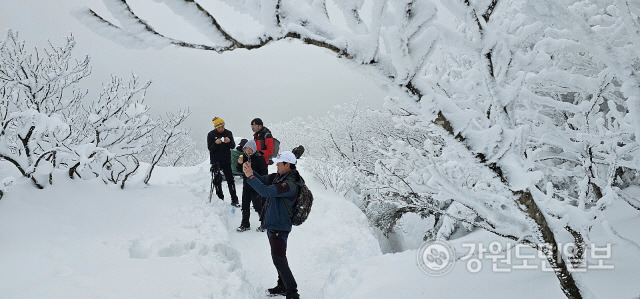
x: 279, y: 190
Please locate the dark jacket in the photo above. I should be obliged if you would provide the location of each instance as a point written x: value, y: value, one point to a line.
x: 279, y: 190
x: 258, y: 164
x: 220, y: 153
x: 264, y: 142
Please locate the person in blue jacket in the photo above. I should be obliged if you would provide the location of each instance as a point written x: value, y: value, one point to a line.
x: 280, y: 190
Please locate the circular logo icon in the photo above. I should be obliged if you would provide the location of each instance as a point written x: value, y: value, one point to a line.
x: 436, y: 257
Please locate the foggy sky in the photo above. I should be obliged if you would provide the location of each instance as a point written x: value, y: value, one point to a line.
x: 276, y: 83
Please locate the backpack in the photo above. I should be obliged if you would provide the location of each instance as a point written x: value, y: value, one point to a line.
x: 298, y: 151
x: 241, y: 145
x: 301, y: 207
x: 276, y: 147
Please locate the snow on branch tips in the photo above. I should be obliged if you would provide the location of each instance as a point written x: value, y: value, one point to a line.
x: 46, y: 127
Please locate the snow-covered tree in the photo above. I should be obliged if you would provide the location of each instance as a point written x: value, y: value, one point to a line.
x: 177, y: 146
x: 343, y: 144
x: 166, y: 137
x: 190, y: 155
x: 117, y: 126
x: 38, y: 96
x: 45, y: 125
x: 343, y: 148
x: 531, y: 109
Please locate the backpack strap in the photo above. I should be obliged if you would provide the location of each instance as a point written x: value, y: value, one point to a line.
x: 294, y: 202
x: 263, y: 140
x: 288, y: 210
x: 263, y: 143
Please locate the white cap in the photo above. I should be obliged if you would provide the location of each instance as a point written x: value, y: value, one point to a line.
x: 288, y: 157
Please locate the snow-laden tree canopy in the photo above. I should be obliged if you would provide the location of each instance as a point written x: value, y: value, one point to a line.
x: 530, y: 109
x: 45, y: 125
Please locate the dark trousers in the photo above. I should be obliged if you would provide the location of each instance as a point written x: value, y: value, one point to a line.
x: 278, y: 243
x: 249, y: 195
x: 226, y: 169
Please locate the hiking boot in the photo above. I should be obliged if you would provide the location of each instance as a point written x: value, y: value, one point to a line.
x: 278, y: 290
x: 243, y: 228
x: 260, y: 229
x: 235, y: 204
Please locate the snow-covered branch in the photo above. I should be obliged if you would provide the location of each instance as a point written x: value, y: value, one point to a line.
x: 44, y: 125
x: 166, y: 136
x: 33, y: 96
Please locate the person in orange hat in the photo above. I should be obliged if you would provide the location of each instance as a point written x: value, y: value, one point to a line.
x: 220, y: 142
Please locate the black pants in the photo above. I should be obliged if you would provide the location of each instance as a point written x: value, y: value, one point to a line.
x: 226, y: 169
x: 249, y: 195
x: 278, y: 243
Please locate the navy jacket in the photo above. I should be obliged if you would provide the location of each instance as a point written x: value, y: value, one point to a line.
x: 279, y: 190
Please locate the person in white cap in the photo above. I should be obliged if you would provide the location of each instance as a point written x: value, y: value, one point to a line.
x: 280, y: 189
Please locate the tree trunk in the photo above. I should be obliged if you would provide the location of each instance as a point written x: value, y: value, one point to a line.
x: 72, y: 170
x: 552, y: 252
x: 35, y: 182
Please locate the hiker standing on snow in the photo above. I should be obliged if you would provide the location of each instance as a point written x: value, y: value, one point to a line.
x: 220, y: 142
x: 280, y: 190
x: 248, y: 194
x: 263, y: 138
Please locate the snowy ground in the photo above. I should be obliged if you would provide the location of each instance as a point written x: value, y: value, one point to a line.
x: 82, y: 239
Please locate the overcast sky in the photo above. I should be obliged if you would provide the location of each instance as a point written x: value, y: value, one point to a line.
x: 276, y: 83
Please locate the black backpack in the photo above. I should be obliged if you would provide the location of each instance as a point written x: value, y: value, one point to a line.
x: 298, y: 151
x: 240, y: 146
x: 301, y: 207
